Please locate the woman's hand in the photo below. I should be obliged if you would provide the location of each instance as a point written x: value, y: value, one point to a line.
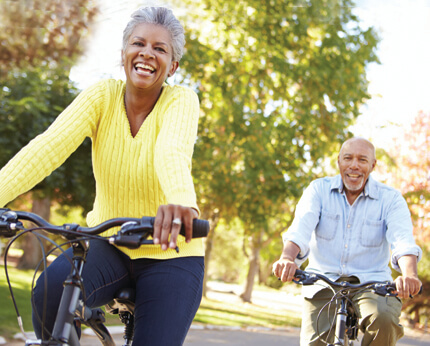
x: 168, y: 222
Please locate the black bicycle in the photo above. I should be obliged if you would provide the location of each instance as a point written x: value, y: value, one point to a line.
x: 345, y: 321
x: 133, y: 232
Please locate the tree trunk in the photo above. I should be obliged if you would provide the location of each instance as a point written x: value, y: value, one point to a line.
x: 253, y: 267
x: 31, y: 245
x: 208, y: 251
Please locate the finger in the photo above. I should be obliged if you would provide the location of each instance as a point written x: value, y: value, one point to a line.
x: 166, y: 228
x: 188, y: 224
x: 277, y: 269
x: 175, y: 228
x: 158, y: 222
x: 400, y: 286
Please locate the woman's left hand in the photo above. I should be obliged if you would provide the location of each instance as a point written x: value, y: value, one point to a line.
x: 168, y: 222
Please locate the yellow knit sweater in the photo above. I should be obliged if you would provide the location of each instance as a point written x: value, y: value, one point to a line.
x: 134, y: 175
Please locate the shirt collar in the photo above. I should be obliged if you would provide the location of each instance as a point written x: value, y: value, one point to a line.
x: 370, y: 189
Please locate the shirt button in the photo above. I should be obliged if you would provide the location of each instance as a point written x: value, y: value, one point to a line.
x: 349, y: 226
x: 343, y: 265
x: 346, y: 245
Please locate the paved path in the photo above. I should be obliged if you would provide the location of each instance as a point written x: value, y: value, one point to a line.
x: 199, y: 336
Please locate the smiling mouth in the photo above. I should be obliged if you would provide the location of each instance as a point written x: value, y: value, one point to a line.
x: 144, y: 68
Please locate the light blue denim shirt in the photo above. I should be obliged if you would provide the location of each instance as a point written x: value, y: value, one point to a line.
x: 344, y: 240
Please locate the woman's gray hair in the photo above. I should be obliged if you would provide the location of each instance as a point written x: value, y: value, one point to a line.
x: 160, y: 16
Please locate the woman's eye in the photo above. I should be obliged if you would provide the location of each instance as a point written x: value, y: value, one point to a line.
x: 140, y: 44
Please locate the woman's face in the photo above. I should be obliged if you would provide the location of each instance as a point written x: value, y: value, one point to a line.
x: 148, y: 56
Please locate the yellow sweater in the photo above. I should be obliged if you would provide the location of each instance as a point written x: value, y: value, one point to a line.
x: 134, y: 175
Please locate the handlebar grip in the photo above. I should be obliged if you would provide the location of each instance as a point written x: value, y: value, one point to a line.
x: 200, y: 228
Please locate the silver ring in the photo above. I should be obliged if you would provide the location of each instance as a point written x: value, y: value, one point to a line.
x: 177, y: 221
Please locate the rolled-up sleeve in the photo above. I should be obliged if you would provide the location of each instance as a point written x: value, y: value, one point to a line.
x: 399, y: 231
x: 305, y: 221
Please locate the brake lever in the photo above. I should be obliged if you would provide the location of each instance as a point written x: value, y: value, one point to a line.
x: 133, y: 234
x: 305, y: 279
x: 9, y: 223
x: 384, y: 290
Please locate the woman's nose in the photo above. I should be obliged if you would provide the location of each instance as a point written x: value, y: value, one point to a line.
x: 146, y: 52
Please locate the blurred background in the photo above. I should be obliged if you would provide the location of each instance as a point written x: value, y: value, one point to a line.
x: 281, y: 85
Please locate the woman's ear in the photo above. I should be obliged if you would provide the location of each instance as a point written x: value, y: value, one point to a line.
x: 122, y: 57
x: 173, y: 67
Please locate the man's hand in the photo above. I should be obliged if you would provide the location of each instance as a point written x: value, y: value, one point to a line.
x: 284, y: 269
x: 408, y: 284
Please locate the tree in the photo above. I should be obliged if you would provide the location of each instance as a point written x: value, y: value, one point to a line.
x: 40, y: 40
x: 410, y: 173
x: 43, y: 32
x: 279, y: 83
x: 29, y: 103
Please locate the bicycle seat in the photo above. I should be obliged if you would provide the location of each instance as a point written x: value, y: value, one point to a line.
x: 122, y: 302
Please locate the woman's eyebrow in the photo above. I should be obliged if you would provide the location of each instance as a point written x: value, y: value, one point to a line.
x: 157, y: 43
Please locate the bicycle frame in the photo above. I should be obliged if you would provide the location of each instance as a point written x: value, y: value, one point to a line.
x: 64, y: 331
x: 346, y: 322
x: 133, y: 233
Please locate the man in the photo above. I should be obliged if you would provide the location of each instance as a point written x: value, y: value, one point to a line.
x: 349, y: 226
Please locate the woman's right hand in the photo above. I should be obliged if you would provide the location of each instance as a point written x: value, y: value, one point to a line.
x: 168, y: 222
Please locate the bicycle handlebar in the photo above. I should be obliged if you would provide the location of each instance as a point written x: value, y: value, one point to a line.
x: 133, y: 231
x: 384, y: 288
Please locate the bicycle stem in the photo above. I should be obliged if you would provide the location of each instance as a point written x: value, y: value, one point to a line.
x: 341, y: 323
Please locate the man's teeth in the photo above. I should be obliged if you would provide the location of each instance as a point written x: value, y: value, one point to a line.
x: 144, y: 66
x: 353, y: 175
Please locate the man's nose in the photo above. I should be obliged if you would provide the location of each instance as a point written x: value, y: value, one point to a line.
x: 354, y: 163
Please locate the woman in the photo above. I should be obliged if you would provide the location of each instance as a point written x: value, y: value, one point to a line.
x: 143, y: 132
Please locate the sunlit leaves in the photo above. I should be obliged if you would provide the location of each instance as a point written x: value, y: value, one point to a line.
x: 279, y: 83
x: 43, y: 32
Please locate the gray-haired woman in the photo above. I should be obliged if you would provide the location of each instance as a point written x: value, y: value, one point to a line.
x: 143, y: 132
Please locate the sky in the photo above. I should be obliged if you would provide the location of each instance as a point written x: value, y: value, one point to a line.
x: 399, y: 86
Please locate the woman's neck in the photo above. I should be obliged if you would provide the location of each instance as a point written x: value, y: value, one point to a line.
x: 138, y: 106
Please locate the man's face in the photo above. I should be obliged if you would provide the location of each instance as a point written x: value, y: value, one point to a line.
x: 356, y: 161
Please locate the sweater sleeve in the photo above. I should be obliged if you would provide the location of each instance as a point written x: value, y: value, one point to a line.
x: 175, y: 145
x: 50, y: 149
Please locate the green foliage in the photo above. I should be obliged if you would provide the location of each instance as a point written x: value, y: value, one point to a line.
x: 43, y: 32
x: 229, y: 262
x: 29, y: 102
x: 279, y: 84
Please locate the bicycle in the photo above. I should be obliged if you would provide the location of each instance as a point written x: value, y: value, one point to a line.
x: 345, y: 321
x: 133, y: 232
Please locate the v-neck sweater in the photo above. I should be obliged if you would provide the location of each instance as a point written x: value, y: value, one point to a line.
x: 134, y: 175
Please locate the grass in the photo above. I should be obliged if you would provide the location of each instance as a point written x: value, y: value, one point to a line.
x: 241, y: 315
x: 210, y: 312
x: 21, y: 283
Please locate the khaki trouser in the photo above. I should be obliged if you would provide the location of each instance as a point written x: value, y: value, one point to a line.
x: 378, y: 319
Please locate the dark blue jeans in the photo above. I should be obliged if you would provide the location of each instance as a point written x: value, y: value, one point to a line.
x: 168, y: 292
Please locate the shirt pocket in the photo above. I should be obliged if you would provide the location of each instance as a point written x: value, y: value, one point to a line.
x: 327, y: 226
x: 372, y: 233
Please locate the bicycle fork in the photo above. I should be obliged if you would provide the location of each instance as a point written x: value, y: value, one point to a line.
x: 64, y: 328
